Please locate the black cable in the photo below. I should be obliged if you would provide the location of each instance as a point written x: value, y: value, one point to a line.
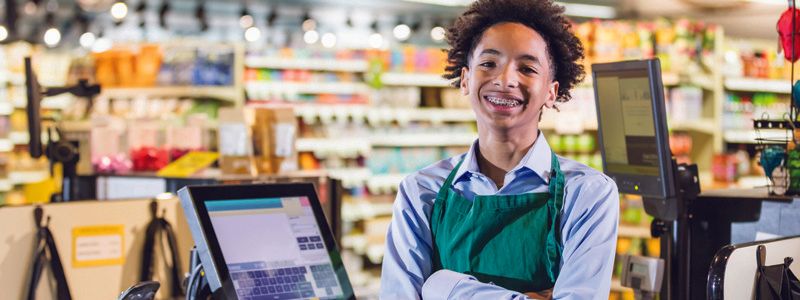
x: 46, y: 253
x: 157, y: 229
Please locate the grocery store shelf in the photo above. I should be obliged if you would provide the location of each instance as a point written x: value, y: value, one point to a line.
x: 339, y: 147
x: 226, y: 93
x: 19, y: 137
x: 262, y: 89
x: 758, y: 85
x: 317, y: 64
x: 358, y: 210
x: 424, y: 140
x: 6, y: 145
x: 12, y: 78
x: 350, y: 177
x: 23, y: 177
x: 634, y: 231
x: 748, y: 136
x: 5, y: 185
x: 385, y: 183
x: 6, y: 108
x: 702, y: 125
x: 378, y: 115
x: 414, y: 79
x: 616, y: 286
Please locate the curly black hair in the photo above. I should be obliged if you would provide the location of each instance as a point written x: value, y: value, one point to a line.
x: 543, y: 16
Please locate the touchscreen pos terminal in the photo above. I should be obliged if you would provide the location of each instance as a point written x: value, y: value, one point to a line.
x: 265, y: 241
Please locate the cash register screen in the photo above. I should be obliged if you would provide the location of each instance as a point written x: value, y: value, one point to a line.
x: 273, y: 248
x: 634, y: 142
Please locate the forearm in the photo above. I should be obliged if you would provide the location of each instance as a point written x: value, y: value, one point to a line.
x: 446, y: 284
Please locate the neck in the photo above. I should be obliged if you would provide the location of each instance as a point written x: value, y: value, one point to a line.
x: 499, y: 151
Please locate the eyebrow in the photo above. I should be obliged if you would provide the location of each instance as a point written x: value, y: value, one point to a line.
x: 532, y: 58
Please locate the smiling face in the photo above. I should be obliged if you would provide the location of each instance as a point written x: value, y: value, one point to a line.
x: 509, y: 78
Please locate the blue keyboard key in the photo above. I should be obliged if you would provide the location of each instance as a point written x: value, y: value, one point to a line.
x: 257, y: 274
x: 280, y: 280
x: 303, y: 247
x: 272, y: 281
x: 315, y: 239
x: 303, y: 270
x: 307, y: 294
x: 293, y: 287
x: 319, y: 245
x: 311, y: 247
x: 279, y: 289
x: 257, y: 282
x: 263, y: 290
x: 256, y: 292
x: 251, y: 274
x: 271, y: 289
x: 280, y: 272
x: 305, y: 286
x: 302, y: 240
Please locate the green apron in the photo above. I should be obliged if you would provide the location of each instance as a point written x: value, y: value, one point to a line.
x: 512, y: 241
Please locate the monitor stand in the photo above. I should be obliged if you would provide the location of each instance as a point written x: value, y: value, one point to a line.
x: 671, y: 225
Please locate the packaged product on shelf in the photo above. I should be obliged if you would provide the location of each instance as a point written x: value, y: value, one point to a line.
x: 107, y: 142
x: 145, y: 141
x: 685, y: 103
x: 274, y: 134
x: 235, y: 142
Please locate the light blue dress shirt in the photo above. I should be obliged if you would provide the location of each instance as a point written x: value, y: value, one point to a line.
x: 589, y: 221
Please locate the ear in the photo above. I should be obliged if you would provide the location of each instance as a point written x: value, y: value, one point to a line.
x: 463, y: 81
x: 552, y: 94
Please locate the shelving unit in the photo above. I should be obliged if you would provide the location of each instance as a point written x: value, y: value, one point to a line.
x: 779, y: 86
x: 316, y: 64
x: 230, y: 94
x: 414, y: 79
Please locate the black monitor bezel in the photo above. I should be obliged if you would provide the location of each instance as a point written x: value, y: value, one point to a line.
x: 201, y: 194
x: 33, y: 92
x: 652, y: 67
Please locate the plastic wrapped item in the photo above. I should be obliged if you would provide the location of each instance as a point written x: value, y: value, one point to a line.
x: 145, y: 143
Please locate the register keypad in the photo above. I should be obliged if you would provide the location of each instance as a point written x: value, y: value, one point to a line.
x: 273, y: 284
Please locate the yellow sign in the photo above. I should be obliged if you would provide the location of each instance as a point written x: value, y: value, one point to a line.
x: 100, y: 245
x: 189, y: 164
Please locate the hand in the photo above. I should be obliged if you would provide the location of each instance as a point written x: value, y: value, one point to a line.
x: 544, y: 295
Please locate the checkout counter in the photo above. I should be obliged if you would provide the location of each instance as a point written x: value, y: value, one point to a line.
x: 121, y: 223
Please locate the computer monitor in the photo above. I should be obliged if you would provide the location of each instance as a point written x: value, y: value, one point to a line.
x: 34, y: 97
x: 265, y: 241
x: 632, y: 128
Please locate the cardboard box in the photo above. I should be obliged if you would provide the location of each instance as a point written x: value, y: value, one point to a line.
x: 235, y: 141
x: 274, y: 135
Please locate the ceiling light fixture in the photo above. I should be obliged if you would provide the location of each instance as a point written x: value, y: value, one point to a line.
x: 401, y: 32
x: 328, y: 40
x: 310, y: 37
x: 437, y: 33
x: 119, y: 10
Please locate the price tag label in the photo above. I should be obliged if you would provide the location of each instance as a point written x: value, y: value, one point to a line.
x: 100, y: 245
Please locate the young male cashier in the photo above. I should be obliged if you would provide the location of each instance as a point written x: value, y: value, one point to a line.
x: 509, y: 219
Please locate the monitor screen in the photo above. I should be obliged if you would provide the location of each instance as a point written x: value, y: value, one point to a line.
x: 274, y: 249
x: 629, y: 140
x: 632, y: 127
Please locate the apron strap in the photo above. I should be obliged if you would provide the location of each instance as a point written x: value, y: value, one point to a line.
x: 554, y: 245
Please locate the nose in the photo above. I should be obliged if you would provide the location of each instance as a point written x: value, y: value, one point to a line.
x: 508, y: 77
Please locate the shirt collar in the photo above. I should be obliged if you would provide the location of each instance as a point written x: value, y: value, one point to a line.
x: 536, y: 160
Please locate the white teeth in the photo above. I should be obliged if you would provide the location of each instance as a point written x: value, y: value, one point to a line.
x: 503, y: 102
